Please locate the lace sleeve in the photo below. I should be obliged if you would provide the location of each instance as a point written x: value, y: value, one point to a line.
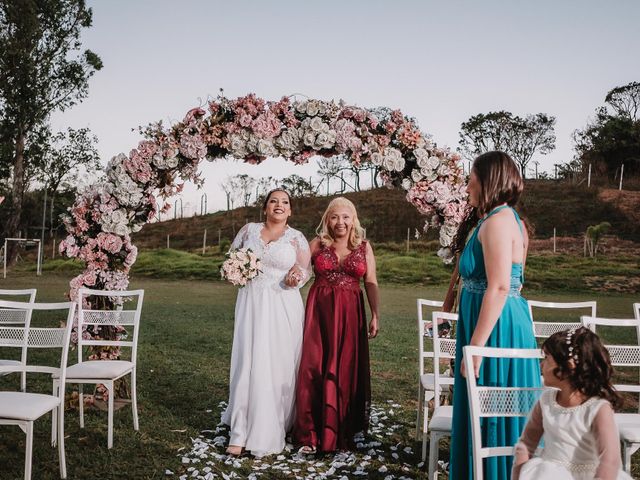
x: 528, y: 443
x: 605, y: 431
x: 303, y: 257
x: 241, y: 237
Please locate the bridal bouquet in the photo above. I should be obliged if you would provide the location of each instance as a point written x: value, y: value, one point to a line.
x: 241, y: 266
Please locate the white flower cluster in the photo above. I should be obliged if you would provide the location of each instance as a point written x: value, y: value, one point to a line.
x: 166, y: 158
x: 115, y: 222
x: 289, y: 141
x: 390, y: 159
x: 317, y: 134
x: 122, y: 186
x: 243, y: 144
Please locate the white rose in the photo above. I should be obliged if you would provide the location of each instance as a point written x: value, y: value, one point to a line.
x: 377, y: 159
x: 407, y: 183
x: 265, y: 148
x: 416, y: 176
x: 420, y: 153
x: 309, y: 139
x: 316, y: 124
x: 433, y: 162
x: 399, y: 164
x: 389, y: 163
x: 312, y: 107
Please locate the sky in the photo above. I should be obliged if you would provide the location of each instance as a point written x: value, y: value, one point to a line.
x: 440, y: 62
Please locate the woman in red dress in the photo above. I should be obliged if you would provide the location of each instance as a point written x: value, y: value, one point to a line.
x: 333, y: 392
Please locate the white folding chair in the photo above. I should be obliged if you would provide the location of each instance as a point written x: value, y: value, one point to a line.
x: 106, y: 372
x: 496, y: 401
x: 592, y: 322
x: 628, y: 423
x: 444, y: 348
x: 636, y: 310
x: 24, y: 408
x: 17, y: 317
x: 546, y: 329
x: 425, y: 380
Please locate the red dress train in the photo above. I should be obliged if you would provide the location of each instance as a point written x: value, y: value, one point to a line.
x: 333, y: 392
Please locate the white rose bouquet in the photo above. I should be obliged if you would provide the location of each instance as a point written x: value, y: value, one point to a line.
x: 241, y: 266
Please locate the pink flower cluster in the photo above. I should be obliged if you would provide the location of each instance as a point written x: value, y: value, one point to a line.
x: 240, y: 267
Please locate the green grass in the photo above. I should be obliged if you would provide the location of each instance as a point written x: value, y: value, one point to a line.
x: 183, y: 373
x: 419, y: 266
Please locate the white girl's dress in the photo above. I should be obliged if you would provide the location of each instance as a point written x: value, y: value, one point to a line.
x: 267, y: 342
x: 580, y: 442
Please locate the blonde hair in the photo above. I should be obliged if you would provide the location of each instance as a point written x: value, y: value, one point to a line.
x: 324, y: 232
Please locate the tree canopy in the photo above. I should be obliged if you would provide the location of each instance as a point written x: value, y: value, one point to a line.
x: 43, y: 69
x: 520, y: 137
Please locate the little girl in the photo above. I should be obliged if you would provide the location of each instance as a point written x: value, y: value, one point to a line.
x: 580, y: 434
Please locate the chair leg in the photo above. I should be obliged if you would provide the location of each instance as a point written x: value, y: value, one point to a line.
x: 433, y: 455
x: 626, y: 457
x: 54, y: 416
x: 110, y: 415
x: 28, y: 451
x: 420, y: 406
x: 134, y: 400
x: 61, y: 455
x: 81, y: 405
x: 424, y: 445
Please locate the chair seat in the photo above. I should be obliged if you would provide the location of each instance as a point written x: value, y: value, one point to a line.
x: 628, y: 426
x: 99, y: 369
x: 26, y: 406
x: 9, y: 363
x: 427, y: 381
x: 441, y: 419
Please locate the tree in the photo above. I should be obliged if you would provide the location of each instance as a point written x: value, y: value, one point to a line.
x: 625, y: 100
x: 592, y: 237
x: 65, y: 156
x: 298, y: 186
x: 244, y: 185
x: 613, y: 137
x: 41, y: 71
x: 520, y: 137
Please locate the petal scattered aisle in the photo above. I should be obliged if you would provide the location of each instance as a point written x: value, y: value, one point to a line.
x: 387, y: 453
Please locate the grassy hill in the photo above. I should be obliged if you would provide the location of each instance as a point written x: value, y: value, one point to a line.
x: 387, y: 215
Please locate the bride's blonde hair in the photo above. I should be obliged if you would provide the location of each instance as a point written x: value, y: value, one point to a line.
x: 324, y: 232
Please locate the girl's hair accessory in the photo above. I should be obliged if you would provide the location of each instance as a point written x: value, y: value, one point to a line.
x: 569, y: 341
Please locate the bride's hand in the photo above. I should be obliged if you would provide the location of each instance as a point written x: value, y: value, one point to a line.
x: 293, y: 277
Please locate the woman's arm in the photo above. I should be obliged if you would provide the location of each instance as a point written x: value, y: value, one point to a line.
x: 371, y: 287
x: 605, y: 431
x: 497, y: 250
x: 301, y: 271
x: 241, y: 237
x: 529, y: 441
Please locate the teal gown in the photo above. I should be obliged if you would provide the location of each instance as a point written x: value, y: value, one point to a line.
x: 513, y: 330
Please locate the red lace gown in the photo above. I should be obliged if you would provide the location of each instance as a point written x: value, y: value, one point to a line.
x: 333, y: 392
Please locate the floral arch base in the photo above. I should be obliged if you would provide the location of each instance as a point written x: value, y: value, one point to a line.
x: 249, y: 128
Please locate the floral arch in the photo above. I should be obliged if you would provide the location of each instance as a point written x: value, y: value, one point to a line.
x: 103, y: 216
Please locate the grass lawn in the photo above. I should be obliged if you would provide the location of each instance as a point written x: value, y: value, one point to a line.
x: 184, y: 353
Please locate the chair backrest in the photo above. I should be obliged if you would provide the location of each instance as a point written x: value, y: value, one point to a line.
x: 542, y: 329
x: 116, y: 315
x: 30, y: 292
x: 444, y: 348
x: 496, y: 401
x: 636, y: 310
x: 423, y: 331
x: 39, y: 337
x: 592, y: 322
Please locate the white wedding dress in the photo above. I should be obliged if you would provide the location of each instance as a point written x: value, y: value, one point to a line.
x: 580, y: 443
x: 267, y: 342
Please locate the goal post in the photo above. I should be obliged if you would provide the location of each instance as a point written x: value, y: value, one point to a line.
x: 27, y: 242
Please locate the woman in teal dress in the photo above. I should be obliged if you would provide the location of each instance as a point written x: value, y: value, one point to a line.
x: 491, y: 313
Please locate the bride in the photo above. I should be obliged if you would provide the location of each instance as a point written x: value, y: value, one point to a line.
x: 267, y: 336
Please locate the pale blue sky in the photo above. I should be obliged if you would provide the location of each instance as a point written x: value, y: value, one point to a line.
x: 437, y: 61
